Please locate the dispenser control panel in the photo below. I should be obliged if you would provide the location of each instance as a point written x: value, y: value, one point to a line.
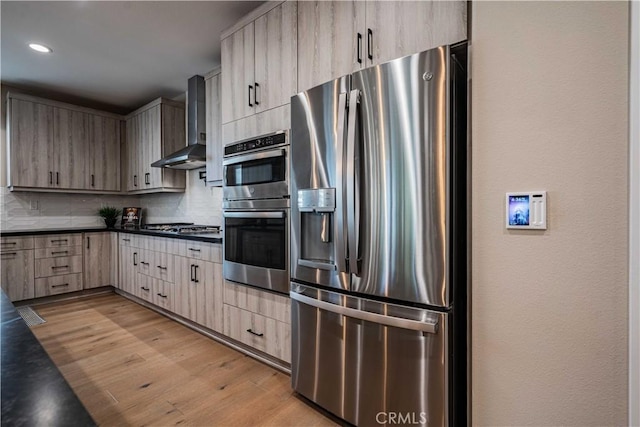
x: 317, y: 200
x: 527, y: 210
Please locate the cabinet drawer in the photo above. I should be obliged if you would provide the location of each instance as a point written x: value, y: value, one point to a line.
x: 15, y: 243
x: 46, y: 267
x: 205, y: 251
x: 58, y: 252
x: 260, y: 332
x: 58, y: 240
x: 265, y: 303
x: 58, y: 284
x: 126, y: 239
x: 162, y: 294
x: 162, y: 267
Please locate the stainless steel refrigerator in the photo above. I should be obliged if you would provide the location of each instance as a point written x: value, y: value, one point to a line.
x: 379, y: 232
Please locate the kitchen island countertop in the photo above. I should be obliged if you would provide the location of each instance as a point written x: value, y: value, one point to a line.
x: 34, y: 392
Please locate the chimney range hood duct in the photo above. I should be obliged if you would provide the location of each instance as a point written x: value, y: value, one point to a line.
x: 194, y: 155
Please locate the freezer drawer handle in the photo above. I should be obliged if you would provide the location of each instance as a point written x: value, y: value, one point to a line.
x: 255, y: 333
x: 430, y: 327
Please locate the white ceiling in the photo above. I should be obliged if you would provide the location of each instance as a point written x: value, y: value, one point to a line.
x: 113, y: 55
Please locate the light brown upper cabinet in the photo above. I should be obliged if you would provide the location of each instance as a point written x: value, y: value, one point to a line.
x: 61, y: 147
x: 259, y: 61
x: 154, y: 131
x: 346, y: 36
x: 102, y: 161
x: 215, y: 146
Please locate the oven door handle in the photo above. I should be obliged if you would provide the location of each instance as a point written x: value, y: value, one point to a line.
x: 254, y: 156
x: 253, y: 214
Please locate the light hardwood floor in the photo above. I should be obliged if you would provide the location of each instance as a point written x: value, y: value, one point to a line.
x: 132, y: 366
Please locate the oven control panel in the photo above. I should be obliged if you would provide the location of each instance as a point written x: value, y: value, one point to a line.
x: 256, y: 143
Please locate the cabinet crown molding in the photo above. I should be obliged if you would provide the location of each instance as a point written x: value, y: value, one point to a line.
x: 153, y: 103
x: 58, y: 104
x: 250, y: 17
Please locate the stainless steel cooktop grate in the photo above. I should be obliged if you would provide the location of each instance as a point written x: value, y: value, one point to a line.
x: 30, y: 317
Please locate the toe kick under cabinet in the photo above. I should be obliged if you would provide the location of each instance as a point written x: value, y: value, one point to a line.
x: 258, y: 319
x: 58, y: 264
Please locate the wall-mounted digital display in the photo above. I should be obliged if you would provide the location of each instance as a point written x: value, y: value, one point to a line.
x: 518, y: 210
x: 526, y: 210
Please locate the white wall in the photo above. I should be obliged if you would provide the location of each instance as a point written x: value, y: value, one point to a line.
x: 28, y: 210
x: 634, y: 218
x: 549, y: 107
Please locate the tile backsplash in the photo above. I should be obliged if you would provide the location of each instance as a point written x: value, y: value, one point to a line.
x: 26, y: 210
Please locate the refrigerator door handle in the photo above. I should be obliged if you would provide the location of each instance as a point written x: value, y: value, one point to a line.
x: 353, y: 204
x: 429, y: 325
x: 341, y: 244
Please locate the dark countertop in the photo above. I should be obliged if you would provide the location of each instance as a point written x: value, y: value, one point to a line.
x: 42, y: 231
x: 208, y: 237
x: 34, y: 392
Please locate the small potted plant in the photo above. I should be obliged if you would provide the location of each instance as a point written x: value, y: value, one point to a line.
x: 110, y: 215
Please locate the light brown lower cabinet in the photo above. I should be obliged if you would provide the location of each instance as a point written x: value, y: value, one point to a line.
x: 17, y: 267
x: 97, y: 260
x: 260, y: 332
x: 198, y: 292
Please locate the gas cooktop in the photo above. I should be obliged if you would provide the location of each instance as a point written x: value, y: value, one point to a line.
x: 182, y: 228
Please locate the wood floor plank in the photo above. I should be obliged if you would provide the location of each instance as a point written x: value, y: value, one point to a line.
x: 132, y: 366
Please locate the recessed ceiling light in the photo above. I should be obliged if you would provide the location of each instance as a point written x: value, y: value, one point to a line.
x: 40, y: 48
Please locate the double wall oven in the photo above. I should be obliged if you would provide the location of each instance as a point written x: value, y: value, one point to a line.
x: 256, y: 212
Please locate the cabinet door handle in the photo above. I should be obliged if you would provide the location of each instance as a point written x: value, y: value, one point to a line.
x: 370, y: 44
x: 256, y: 93
x: 161, y: 267
x: 59, y: 240
x: 195, y: 274
x: 61, y: 266
x: 147, y: 178
x: 62, y: 252
x: 250, y: 88
x: 88, y: 242
x: 359, y: 53
x: 194, y: 250
x: 93, y: 180
x: 9, y: 243
x: 50, y: 177
x: 59, y: 286
x: 254, y: 333
x: 126, y: 240
x: 9, y: 253
x: 57, y: 178
x: 192, y: 272
x: 161, y: 296
x: 144, y: 289
x: 144, y: 263
x: 135, y: 258
x: 135, y: 180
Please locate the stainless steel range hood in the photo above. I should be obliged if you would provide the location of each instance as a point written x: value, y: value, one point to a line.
x: 194, y: 155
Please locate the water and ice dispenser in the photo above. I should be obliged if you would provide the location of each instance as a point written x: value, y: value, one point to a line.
x: 317, y: 208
